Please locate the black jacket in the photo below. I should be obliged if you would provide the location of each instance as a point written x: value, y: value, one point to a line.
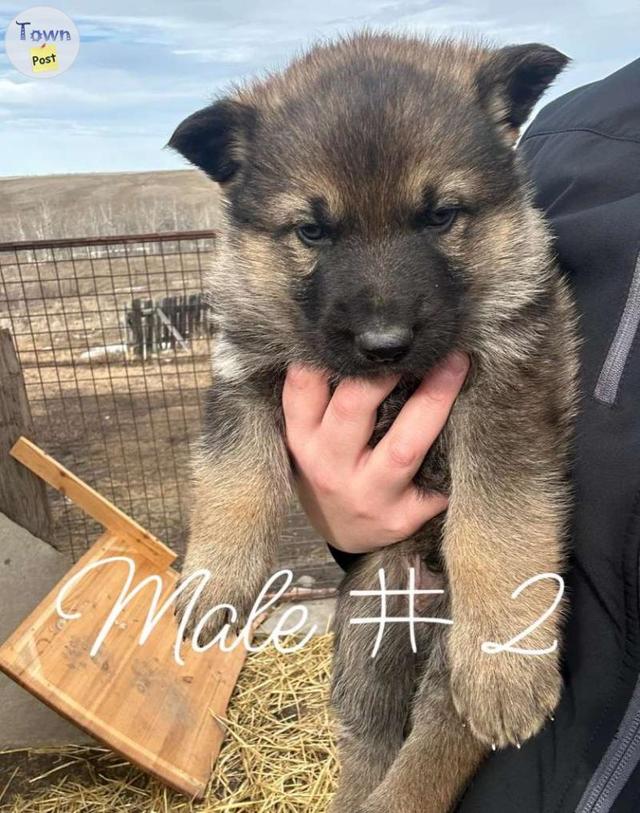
x: 583, y: 154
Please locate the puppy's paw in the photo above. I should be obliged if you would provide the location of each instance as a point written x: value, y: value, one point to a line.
x: 226, y: 600
x: 504, y: 698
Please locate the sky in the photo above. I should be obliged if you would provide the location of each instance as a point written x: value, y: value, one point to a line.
x: 143, y: 66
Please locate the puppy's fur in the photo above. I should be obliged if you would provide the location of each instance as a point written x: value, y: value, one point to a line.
x: 376, y: 218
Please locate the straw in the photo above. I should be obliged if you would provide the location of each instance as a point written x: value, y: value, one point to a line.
x: 278, y: 756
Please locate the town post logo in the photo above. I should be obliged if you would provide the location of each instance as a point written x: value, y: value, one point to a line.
x: 42, y: 42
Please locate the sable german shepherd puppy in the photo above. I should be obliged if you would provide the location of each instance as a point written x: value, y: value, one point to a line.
x: 375, y: 218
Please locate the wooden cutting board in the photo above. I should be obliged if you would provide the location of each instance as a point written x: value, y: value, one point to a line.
x: 134, y: 698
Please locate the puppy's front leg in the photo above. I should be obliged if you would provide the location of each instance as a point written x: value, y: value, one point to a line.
x: 505, y: 524
x: 240, y: 494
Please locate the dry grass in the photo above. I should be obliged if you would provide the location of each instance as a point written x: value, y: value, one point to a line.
x: 89, y: 204
x: 278, y: 757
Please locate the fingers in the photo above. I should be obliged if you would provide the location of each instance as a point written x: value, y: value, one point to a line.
x: 341, y: 425
x: 350, y: 417
x: 400, y: 453
x: 363, y: 498
x: 305, y: 397
x: 416, y: 508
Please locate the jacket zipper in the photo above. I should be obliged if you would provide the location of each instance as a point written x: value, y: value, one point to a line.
x: 619, y: 762
x: 611, y: 373
x: 617, y: 765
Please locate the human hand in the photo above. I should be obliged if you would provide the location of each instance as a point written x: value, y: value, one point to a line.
x: 360, y: 498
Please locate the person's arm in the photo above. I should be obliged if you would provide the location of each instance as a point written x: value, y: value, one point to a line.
x: 361, y: 498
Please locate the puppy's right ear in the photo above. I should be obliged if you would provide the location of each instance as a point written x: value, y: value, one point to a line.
x: 512, y: 81
x: 216, y: 138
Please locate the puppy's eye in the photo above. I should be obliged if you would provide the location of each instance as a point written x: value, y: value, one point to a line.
x: 312, y: 234
x: 439, y: 220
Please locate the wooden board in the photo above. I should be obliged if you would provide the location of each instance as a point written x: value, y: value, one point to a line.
x: 134, y: 698
x: 90, y: 501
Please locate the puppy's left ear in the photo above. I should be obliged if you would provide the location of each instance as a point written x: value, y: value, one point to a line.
x: 514, y: 78
x: 216, y: 139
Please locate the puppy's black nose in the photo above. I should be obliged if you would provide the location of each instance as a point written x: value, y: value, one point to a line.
x: 385, y: 345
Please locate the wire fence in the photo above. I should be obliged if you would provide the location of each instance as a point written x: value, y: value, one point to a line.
x: 114, y: 343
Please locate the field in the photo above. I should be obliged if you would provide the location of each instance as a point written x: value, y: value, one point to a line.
x: 122, y: 420
x: 60, y: 206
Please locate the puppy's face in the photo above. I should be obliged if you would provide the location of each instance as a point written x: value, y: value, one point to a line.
x: 374, y: 208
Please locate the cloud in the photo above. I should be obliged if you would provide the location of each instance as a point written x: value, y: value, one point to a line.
x: 17, y: 92
x: 237, y: 55
x: 144, y: 65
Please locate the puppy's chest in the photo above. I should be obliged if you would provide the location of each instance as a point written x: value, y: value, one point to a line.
x: 433, y: 475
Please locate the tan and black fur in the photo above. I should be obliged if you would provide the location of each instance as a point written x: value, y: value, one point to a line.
x: 376, y: 218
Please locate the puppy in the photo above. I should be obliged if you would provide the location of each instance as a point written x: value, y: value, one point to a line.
x: 375, y: 219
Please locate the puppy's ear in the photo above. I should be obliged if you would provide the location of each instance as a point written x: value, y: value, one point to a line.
x: 216, y: 138
x: 514, y: 78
